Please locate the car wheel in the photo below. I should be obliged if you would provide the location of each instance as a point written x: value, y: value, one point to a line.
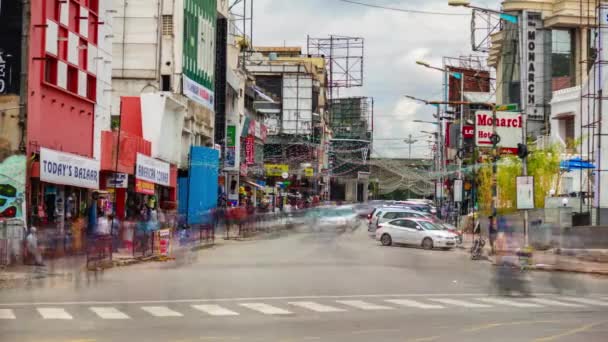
x: 427, y: 243
x: 386, y: 240
x: 447, y: 248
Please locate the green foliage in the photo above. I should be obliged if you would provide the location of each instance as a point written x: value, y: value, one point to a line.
x: 509, y: 168
x: 544, y: 166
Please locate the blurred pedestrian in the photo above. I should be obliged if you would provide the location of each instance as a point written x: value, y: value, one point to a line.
x: 32, y: 246
x: 492, y: 233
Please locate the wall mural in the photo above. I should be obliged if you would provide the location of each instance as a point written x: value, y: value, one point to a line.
x: 12, y: 183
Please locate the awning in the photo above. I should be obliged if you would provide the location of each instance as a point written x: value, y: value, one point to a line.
x: 472, y: 96
x: 575, y: 164
x: 562, y: 116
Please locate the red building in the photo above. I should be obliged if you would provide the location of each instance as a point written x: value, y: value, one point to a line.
x: 62, y: 91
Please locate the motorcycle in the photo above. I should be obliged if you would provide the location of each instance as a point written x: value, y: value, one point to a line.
x: 477, y: 248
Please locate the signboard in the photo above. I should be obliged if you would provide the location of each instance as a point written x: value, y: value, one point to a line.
x: 11, y: 23
x: 144, y: 187
x: 243, y: 170
x: 250, y: 150
x: 438, y: 190
x: 361, y: 175
x: 152, y: 170
x: 457, y: 190
x: 511, y: 107
x: 276, y: 170
x: 199, y: 51
x: 68, y: 169
x: 230, y: 160
x: 525, y: 192
x: 162, y: 245
x: 532, y: 72
x: 468, y: 131
x: 231, y: 136
x: 309, y: 172
x: 117, y: 180
x: 508, y: 128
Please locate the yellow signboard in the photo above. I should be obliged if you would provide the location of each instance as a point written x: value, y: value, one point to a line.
x: 276, y: 170
x: 309, y: 172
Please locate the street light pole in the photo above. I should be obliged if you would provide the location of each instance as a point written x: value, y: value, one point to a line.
x: 410, y: 141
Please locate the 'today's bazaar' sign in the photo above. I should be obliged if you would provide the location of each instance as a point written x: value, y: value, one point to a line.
x: 508, y: 128
x: 152, y: 170
x: 68, y: 169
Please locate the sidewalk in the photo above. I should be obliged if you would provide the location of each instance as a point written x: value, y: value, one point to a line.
x: 592, y: 261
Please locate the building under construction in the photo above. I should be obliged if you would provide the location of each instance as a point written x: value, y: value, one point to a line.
x: 350, y: 147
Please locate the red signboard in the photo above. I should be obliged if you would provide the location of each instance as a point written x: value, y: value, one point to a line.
x: 143, y: 187
x: 468, y: 131
x: 250, y: 150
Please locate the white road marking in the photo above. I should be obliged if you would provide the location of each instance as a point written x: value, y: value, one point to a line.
x: 414, y: 304
x: 265, y: 309
x: 585, y: 301
x: 7, y: 314
x: 359, y: 304
x: 508, y: 302
x: 546, y: 301
x: 161, y: 311
x: 109, y: 313
x: 54, y: 313
x: 242, y: 299
x: 316, y: 307
x: 462, y: 303
x: 215, y: 310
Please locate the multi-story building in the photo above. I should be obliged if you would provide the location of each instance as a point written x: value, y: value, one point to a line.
x: 294, y: 115
x: 549, y: 64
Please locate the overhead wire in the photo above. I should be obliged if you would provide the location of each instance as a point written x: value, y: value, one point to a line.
x: 395, y: 9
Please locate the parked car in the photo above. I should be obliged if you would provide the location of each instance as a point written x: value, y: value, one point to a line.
x: 415, y: 231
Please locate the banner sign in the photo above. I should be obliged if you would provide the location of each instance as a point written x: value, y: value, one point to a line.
x: 508, y: 128
x: 276, y: 170
x: 199, y: 51
x: 532, y: 70
x: 68, y: 169
x: 231, y: 136
x: 117, y: 180
x: 152, y: 170
x: 162, y: 246
x: 457, y: 190
x: 143, y: 187
x: 309, y: 172
x: 230, y: 158
x: 525, y: 192
x: 250, y: 150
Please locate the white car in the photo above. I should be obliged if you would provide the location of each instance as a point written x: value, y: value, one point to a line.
x: 414, y: 231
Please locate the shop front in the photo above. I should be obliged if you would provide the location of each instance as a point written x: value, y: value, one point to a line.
x: 63, y: 188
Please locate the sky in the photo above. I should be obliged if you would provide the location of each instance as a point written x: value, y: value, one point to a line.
x: 394, y: 41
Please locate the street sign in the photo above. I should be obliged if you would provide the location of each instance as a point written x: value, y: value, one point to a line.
x: 525, y: 192
x: 508, y: 129
x: 458, y: 190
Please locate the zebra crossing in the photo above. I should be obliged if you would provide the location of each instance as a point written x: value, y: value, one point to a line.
x: 287, y: 307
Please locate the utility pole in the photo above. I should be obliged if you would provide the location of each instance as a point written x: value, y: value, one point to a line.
x: 409, y: 141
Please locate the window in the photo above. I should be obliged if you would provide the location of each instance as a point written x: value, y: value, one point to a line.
x: 390, y: 216
x: 562, y: 59
x: 410, y: 224
x: 167, y: 25
x: 400, y: 215
x: 165, y: 82
x: 399, y: 223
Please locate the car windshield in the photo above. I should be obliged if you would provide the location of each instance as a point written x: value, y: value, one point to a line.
x: 429, y: 226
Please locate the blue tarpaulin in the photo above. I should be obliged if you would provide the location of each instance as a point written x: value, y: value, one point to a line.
x: 575, y: 164
x: 198, y: 191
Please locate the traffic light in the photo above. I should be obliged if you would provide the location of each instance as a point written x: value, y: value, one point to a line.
x: 522, y: 150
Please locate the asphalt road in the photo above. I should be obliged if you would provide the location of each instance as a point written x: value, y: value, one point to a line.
x: 304, y: 286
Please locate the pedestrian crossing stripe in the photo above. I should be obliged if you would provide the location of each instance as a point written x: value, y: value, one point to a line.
x: 462, y: 303
x: 161, y: 311
x: 54, y: 313
x: 313, y: 306
x: 336, y: 306
x: 265, y: 308
x: 359, y: 304
x: 215, y: 310
x: 109, y: 313
x: 7, y: 314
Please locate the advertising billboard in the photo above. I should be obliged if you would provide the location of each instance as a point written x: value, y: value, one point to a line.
x: 10, y: 47
x: 199, y: 51
x: 508, y: 128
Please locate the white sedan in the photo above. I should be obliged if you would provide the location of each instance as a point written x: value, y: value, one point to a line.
x: 415, y: 231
